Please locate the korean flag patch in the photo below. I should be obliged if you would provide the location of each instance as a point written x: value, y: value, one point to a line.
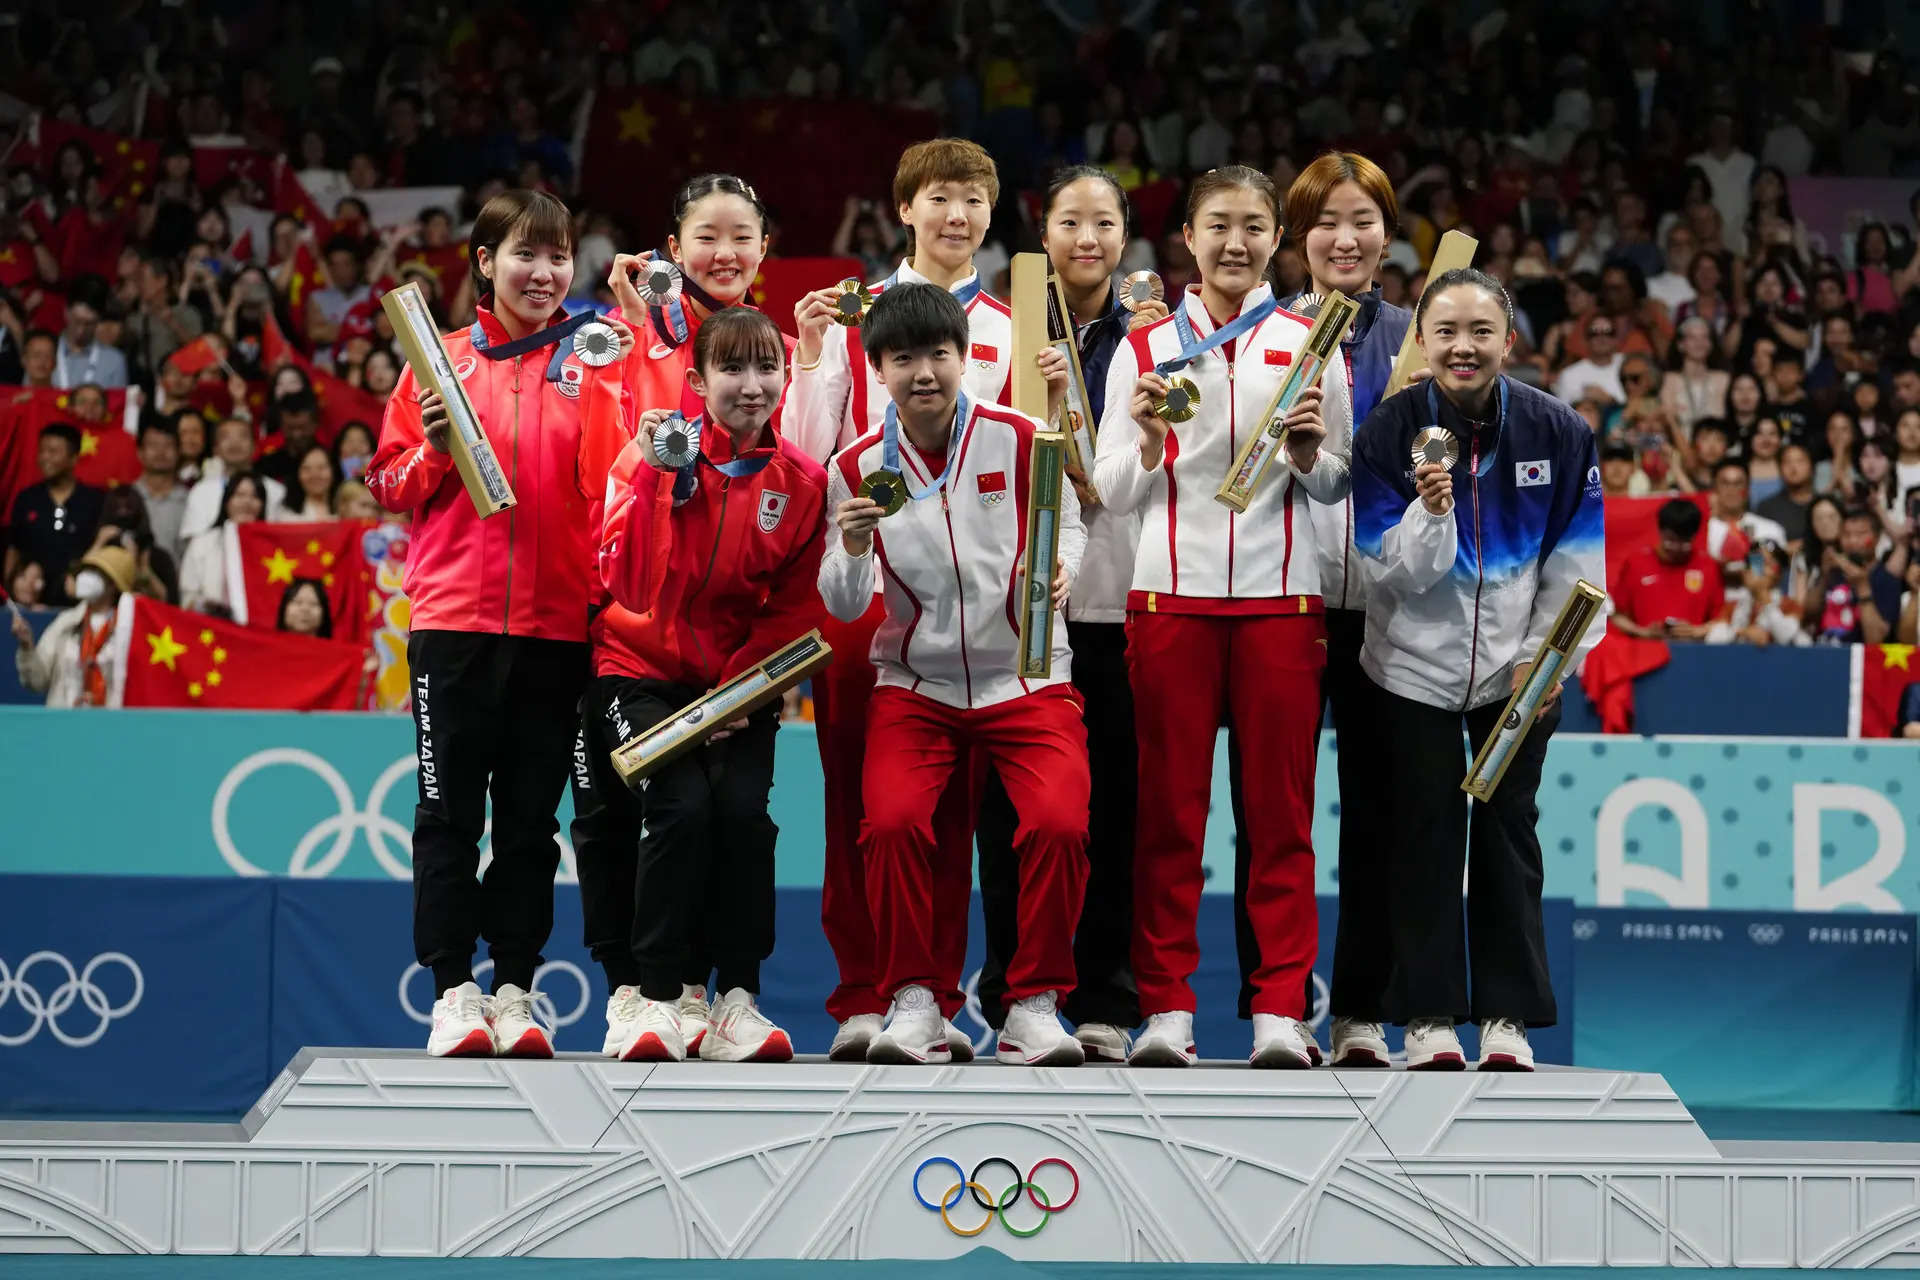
x: 1532, y: 473
x: 773, y: 505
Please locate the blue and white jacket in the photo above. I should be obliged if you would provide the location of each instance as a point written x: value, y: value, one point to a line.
x: 1454, y: 601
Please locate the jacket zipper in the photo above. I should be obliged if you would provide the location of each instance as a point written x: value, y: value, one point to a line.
x: 506, y: 607
x: 1479, y: 576
x: 1233, y: 451
x: 960, y: 593
x: 713, y: 554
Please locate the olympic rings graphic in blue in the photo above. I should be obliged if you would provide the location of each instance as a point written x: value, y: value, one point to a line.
x: 969, y: 1183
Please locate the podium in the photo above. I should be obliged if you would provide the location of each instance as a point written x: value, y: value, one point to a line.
x: 384, y: 1153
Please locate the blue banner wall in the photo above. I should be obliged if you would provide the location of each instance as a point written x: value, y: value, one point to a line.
x: 1758, y: 824
x: 1752, y: 1009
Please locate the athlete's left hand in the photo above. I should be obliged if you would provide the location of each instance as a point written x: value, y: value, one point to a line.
x: 1520, y: 670
x: 1054, y: 368
x: 1062, y: 585
x: 732, y: 727
x: 623, y: 332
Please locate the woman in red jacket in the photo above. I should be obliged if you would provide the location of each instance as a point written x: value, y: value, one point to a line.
x: 498, y: 648
x: 713, y: 565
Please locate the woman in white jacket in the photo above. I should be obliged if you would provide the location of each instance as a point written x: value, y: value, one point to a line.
x: 76, y: 662
x: 1224, y: 619
x: 203, y: 569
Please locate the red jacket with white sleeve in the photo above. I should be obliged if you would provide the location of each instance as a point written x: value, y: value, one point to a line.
x: 526, y: 571
x: 707, y: 588
x: 947, y: 565
x: 1197, y: 555
x: 841, y: 397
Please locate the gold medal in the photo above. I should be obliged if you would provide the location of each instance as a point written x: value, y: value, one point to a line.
x: 853, y: 302
x: 1181, y: 401
x: 886, y: 488
x: 1436, y: 444
x: 1140, y: 288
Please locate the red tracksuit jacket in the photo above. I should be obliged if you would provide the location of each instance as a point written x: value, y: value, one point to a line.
x: 526, y: 571
x: 704, y: 590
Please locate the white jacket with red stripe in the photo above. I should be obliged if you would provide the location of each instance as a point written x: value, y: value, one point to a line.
x: 947, y: 565
x: 1197, y: 555
x: 842, y: 398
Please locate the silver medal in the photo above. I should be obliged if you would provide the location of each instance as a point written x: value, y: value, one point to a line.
x: 676, y: 443
x: 658, y: 282
x: 596, y: 344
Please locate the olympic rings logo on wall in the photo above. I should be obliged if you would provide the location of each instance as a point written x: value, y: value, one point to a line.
x: 78, y: 987
x: 545, y: 1011
x: 969, y: 1184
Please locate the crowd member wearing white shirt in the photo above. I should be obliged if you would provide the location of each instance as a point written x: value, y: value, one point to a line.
x: 76, y: 662
x: 1729, y: 172
x: 233, y: 449
x: 1600, y: 370
x: 80, y: 358
x: 1671, y: 286
x: 1224, y: 616
x: 947, y: 565
x: 203, y: 570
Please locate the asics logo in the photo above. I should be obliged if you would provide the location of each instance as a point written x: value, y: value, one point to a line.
x: 544, y: 1009
x: 53, y: 1009
x: 325, y: 845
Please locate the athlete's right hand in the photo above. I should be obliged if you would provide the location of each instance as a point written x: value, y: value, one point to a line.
x: 433, y: 418
x: 812, y: 317
x: 620, y: 280
x: 1147, y: 388
x: 1435, y: 486
x: 649, y: 423
x: 857, y: 518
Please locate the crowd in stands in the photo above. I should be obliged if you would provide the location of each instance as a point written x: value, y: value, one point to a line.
x: 1626, y: 169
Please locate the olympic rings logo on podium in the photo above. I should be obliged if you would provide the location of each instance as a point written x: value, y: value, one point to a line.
x: 966, y: 1184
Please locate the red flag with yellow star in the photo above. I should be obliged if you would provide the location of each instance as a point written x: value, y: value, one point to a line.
x: 1885, y: 670
x: 108, y: 455
x: 175, y: 658
x: 127, y: 166
x: 264, y: 559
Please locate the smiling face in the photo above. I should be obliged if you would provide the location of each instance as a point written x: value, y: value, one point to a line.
x: 304, y: 611
x: 949, y: 221
x: 740, y: 389
x: 316, y: 474
x: 529, y: 280
x: 1232, y: 236
x: 1345, y: 242
x: 1465, y: 335
x: 720, y: 245
x: 1085, y: 233
x: 923, y: 381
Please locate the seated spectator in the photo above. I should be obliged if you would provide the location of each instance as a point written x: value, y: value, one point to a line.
x: 354, y: 501
x: 311, y: 496
x: 1670, y: 287
x: 1763, y: 460
x: 353, y: 449
x: 1788, y: 401
x: 1673, y: 590
x: 1757, y: 611
x: 1841, y: 362
x: 1600, y: 369
x: 1696, y: 388
x: 1711, y: 442
x: 123, y: 524
x: 1870, y: 283
x: 54, y: 521
x: 27, y: 584
x: 346, y: 288
x: 305, y: 610
x: 39, y: 356
x: 1835, y: 470
x: 1854, y: 599
x: 159, y: 484
x: 190, y: 431
x: 1620, y: 474
x: 1641, y: 325
x: 80, y: 357
x: 161, y: 324
x: 1745, y: 403
x: 203, y: 574
x: 1788, y: 506
x: 233, y: 450
x: 293, y: 423
x: 74, y: 661
x: 1879, y: 487
x: 1728, y: 512
x: 1906, y: 458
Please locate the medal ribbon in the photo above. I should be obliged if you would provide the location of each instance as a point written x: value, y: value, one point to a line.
x: 1433, y: 407
x: 890, y: 448
x: 687, y: 479
x: 963, y: 294
x: 561, y: 333
x: 670, y: 321
x: 1192, y: 347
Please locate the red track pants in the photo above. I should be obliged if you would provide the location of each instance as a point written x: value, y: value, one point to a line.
x: 1189, y: 672
x: 1038, y: 745
x: 840, y: 695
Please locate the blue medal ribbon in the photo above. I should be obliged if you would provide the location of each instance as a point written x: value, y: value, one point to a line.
x: 1192, y: 347
x: 963, y: 294
x: 561, y: 334
x: 890, y: 448
x: 687, y: 479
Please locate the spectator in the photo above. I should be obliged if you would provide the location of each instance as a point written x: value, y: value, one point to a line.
x: 316, y: 479
x: 159, y: 484
x: 293, y: 424
x: 1710, y: 444
x: 1670, y: 287
x: 123, y: 523
x: 1672, y: 590
x: 1640, y: 324
x: 1763, y: 460
x: 1787, y: 506
x: 233, y: 451
x: 190, y: 430
x: 1620, y: 474
x: 1745, y: 400
x: 1631, y: 242
x: 305, y: 609
x: 1870, y: 283
x: 659, y: 58
x: 1906, y: 440
x: 1727, y: 511
x: 1788, y: 401
x: 80, y: 358
x: 1841, y: 363
x: 356, y: 502
x: 1600, y: 370
x: 1880, y: 487
x: 1729, y: 171
x: 327, y: 308
x: 1125, y: 156
x: 75, y: 661
x: 39, y: 356
x: 1907, y: 721
x: 1906, y: 387
x: 352, y: 449
x: 54, y: 520
x: 163, y: 323
x: 1697, y: 386
x: 1854, y: 600
x: 1768, y: 316
x: 203, y: 573
x: 1836, y: 472
x: 1710, y: 301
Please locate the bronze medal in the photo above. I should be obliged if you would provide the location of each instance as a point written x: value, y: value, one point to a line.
x: 1436, y: 444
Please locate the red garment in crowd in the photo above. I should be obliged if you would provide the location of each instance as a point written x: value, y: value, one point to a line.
x: 1650, y: 591
x: 1607, y: 678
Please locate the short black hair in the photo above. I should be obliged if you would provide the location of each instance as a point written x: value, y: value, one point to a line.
x: 1617, y: 451
x: 1738, y: 464
x: 161, y: 425
x: 1784, y: 354
x: 907, y: 317
x: 1705, y: 425
x: 1857, y: 513
x: 1679, y: 517
x: 298, y: 402
x: 62, y: 431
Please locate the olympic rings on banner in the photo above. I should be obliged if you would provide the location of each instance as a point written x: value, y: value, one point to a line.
x: 969, y: 1184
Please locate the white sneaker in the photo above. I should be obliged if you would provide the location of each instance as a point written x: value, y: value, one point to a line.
x: 460, y: 1028
x: 959, y: 1043
x: 623, y: 1008
x: 1504, y: 1047
x: 851, y: 1040
x: 654, y: 1034
x: 515, y: 1033
x: 1433, y: 1046
x: 1359, y: 1044
x: 915, y: 1032
x: 739, y: 1032
x: 695, y: 1018
x: 1167, y: 1041
x: 1280, y: 1041
x: 1034, y: 1036
x: 1104, y: 1042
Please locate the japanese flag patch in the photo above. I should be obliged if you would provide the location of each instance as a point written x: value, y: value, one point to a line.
x: 1526, y: 474
x: 773, y: 505
x: 993, y: 488
x: 570, y: 380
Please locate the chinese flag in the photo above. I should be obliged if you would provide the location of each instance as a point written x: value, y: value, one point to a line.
x: 263, y: 560
x: 782, y: 282
x: 306, y: 277
x: 289, y: 197
x: 276, y: 350
x: 108, y: 456
x: 179, y: 659
x: 1633, y: 523
x: 197, y: 356
x: 128, y: 166
x: 1885, y: 672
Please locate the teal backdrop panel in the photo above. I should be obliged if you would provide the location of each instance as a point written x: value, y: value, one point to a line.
x: 1760, y: 824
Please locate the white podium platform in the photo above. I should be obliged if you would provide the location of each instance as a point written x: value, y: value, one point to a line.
x: 363, y: 1152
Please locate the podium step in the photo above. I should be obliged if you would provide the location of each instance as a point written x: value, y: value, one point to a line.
x: 358, y: 1152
